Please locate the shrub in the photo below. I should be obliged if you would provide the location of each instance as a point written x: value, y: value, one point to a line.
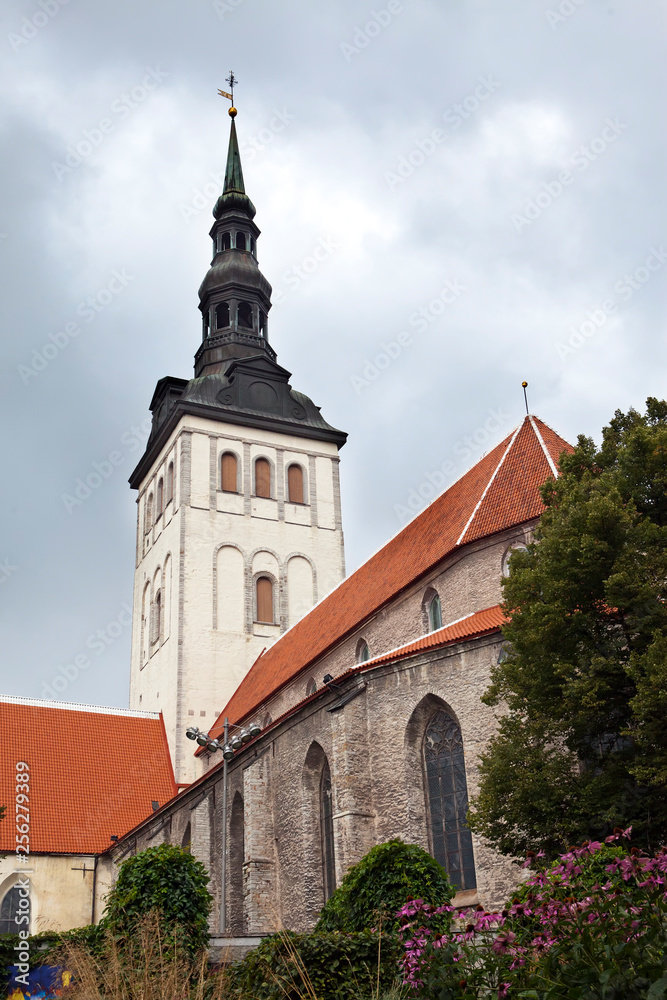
x: 378, y: 886
x: 328, y: 966
x: 168, y: 880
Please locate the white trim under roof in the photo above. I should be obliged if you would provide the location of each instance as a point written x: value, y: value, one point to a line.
x: 74, y: 707
x: 488, y: 485
x: 544, y: 447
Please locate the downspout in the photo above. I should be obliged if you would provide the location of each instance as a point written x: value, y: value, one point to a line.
x: 92, y: 916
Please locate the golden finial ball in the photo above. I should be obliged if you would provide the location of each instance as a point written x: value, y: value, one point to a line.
x: 524, y: 385
x: 233, y: 112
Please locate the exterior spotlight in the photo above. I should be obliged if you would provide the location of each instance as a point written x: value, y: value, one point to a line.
x: 192, y: 733
x: 236, y: 742
x: 254, y: 730
x: 202, y: 739
x: 213, y: 745
x: 245, y: 736
x: 327, y: 679
x: 227, y: 752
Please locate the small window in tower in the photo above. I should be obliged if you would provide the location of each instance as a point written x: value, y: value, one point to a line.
x: 229, y: 473
x: 160, y: 497
x: 240, y: 241
x: 222, y: 315
x: 226, y: 241
x: 262, y: 324
x: 262, y: 478
x: 149, y: 514
x: 245, y: 315
x: 295, y: 484
x: 170, y: 482
x: 264, y: 600
x: 157, y: 618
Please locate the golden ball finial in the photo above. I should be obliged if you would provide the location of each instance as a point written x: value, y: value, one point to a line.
x: 524, y: 385
x: 233, y: 112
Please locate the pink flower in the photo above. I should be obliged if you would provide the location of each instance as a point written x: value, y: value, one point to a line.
x: 502, y: 943
x: 502, y: 990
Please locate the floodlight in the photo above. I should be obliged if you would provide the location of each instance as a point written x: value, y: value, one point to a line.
x: 202, y: 739
x: 236, y: 742
x: 245, y: 736
x: 227, y: 752
x: 192, y: 733
x: 254, y: 729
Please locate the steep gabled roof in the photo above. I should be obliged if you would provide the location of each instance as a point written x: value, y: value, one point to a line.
x: 94, y: 772
x: 499, y: 492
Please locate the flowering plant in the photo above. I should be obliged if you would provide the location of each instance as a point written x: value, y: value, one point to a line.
x: 566, y: 935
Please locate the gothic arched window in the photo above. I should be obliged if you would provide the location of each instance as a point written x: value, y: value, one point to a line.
x: 295, y: 484
x: 327, y: 832
x: 435, y: 613
x: 10, y: 910
x: 245, y: 315
x: 229, y: 472
x: 447, y: 796
x: 222, y: 315
x: 363, y: 652
x: 264, y: 588
x: 186, y: 842
x: 170, y: 482
x: 149, y: 513
x: 157, y: 618
x: 262, y: 478
x: 311, y: 687
x: 160, y: 497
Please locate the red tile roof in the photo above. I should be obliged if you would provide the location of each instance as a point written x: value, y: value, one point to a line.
x: 499, y: 492
x: 471, y: 627
x: 93, y: 773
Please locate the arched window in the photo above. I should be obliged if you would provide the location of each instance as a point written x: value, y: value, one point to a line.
x: 229, y: 472
x: 245, y: 315
x: 240, y: 241
x: 170, y: 482
x: 264, y: 588
x: 160, y: 497
x: 311, y: 687
x: 517, y: 547
x: 327, y: 833
x: 447, y: 796
x: 222, y: 315
x: 262, y: 478
x: 186, y: 842
x: 435, y: 613
x: 226, y: 241
x: 10, y: 909
x: 295, y: 484
x: 363, y: 652
x: 149, y: 513
x: 156, y: 618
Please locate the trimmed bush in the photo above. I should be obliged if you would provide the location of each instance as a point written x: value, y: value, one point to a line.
x: 380, y: 884
x: 331, y: 966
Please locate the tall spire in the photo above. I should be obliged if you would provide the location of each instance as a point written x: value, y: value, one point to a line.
x: 233, y: 193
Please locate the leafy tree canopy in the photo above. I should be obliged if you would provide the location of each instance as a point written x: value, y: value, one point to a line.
x: 380, y: 884
x: 582, y: 747
x: 165, y: 879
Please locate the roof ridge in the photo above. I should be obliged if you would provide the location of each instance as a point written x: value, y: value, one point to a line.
x: 73, y: 706
x: 490, y: 483
x: 546, y: 451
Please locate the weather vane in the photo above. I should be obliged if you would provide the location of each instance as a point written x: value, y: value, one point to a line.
x: 232, y: 81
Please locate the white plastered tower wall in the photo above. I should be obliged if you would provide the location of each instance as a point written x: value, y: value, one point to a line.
x: 203, y: 553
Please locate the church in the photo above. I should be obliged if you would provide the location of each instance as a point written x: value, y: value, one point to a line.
x: 283, y: 718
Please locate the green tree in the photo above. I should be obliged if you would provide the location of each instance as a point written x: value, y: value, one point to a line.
x: 380, y: 884
x: 582, y: 742
x: 166, y: 880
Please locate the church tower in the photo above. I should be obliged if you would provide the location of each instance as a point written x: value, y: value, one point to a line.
x: 238, y: 510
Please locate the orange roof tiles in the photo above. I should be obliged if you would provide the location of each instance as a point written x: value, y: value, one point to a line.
x: 500, y: 491
x: 471, y: 627
x: 93, y: 773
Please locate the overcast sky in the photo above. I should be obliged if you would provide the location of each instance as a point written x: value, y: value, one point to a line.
x: 485, y: 181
